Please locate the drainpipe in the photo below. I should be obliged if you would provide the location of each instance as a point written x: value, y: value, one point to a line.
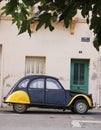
x: 99, y: 80
x: 1, y: 76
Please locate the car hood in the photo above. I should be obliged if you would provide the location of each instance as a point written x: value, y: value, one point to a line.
x: 74, y: 92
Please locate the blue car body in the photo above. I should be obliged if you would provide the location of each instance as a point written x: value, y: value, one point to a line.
x: 46, y: 91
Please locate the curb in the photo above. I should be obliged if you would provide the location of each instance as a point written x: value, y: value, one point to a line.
x: 9, y: 108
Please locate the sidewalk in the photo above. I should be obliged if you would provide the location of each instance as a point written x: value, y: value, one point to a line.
x: 9, y: 108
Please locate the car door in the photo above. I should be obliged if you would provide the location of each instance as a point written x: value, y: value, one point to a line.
x: 55, y: 94
x: 36, y: 91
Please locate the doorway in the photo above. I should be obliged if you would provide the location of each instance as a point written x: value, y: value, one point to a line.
x: 79, y: 75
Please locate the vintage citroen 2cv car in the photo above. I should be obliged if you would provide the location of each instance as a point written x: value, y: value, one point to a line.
x: 46, y: 92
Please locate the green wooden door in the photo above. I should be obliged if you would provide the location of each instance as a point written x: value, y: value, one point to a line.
x: 79, y: 75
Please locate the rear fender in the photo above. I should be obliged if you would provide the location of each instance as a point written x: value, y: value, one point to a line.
x: 84, y: 96
x: 18, y: 97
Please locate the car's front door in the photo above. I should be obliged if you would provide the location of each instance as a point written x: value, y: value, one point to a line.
x: 36, y: 91
x: 55, y: 94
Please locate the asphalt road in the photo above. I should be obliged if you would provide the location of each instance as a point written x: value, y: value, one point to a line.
x: 44, y: 119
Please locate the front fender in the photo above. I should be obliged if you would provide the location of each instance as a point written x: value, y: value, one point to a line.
x: 18, y: 97
x: 84, y: 96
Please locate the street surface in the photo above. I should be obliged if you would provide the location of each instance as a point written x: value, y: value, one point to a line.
x: 43, y: 119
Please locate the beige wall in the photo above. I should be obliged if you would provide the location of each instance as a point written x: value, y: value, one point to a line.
x: 58, y: 47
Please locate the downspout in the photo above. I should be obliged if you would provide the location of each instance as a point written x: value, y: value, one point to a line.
x: 99, y: 79
x: 1, y: 75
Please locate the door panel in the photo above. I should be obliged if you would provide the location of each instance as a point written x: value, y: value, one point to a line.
x: 55, y: 94
x: 55, y: 97
x: 79, y: 75
x: 36, y: 91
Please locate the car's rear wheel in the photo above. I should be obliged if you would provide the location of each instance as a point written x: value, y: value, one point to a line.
x: 80, y: 106
x: 19, y: 108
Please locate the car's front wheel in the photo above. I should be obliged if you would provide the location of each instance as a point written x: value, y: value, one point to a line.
x: 19, y: 108
x: 80, y: 106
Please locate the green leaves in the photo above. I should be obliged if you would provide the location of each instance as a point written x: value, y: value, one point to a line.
x: 19, y: 13
x: 51, y: 11
x: 29, y: 2
x: 45, y: 19
x: 68, y: 12
x: 10, y: 7
x: 97, y: 41
x: 96, y: 27
x: 25, y: 26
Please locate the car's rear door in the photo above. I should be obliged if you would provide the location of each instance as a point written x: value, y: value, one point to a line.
x: 36, y: 91
x: 55, y: 94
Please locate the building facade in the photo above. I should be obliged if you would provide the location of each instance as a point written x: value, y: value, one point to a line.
x: 67, y: 54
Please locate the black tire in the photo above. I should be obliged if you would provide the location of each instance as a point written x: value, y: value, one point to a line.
x: 19, y: 108
x: 80, y: 106
x: 72, y: 110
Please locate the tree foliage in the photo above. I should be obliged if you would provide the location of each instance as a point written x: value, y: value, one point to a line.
x: 50, y: 11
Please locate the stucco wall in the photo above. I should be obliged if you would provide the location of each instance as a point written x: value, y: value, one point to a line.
x: 58, y: 47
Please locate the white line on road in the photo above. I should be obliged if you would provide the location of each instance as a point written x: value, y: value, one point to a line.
x: 76, y: 123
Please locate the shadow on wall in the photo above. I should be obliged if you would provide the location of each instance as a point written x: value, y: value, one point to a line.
x: 94, y: 76
x: 8, y: 82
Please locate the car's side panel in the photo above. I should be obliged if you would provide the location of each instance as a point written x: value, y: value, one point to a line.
x: 81, y: 95
x: 18, y: 97
x: 36, y: 91
x: 37, y: 96
x: 55, y: 97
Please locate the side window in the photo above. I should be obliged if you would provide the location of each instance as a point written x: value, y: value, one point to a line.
x: 52, y: 84
x: 37, y: 83
x: 23, y: 84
